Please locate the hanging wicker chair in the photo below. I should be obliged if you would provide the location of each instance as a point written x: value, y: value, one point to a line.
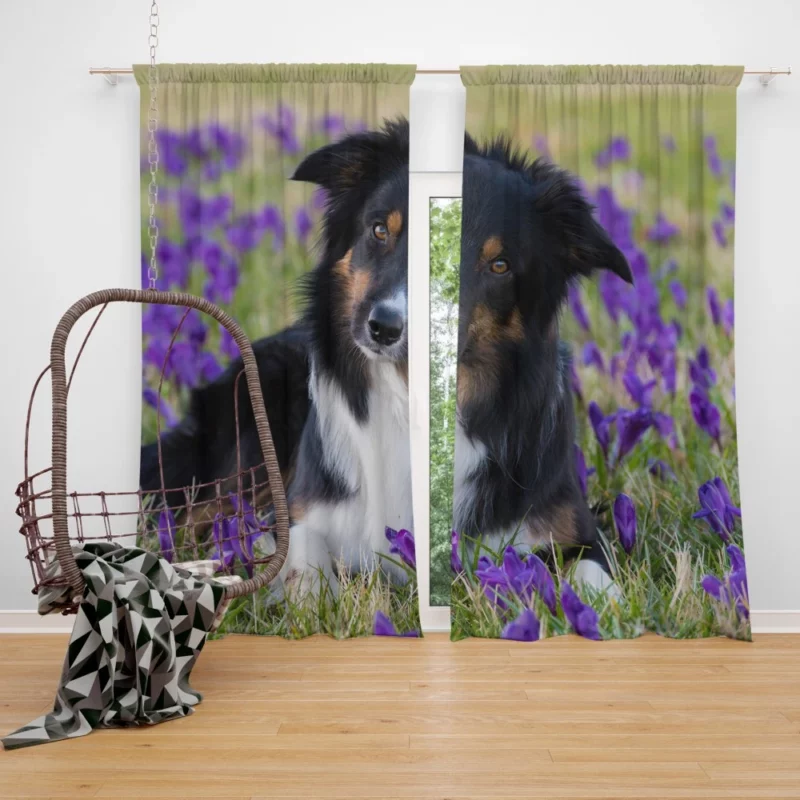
x: 54, y: 520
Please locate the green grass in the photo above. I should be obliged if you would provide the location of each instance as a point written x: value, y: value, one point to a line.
x: 343, y: 614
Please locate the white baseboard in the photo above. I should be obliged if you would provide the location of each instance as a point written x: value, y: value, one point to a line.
x: 439, y: 621
x: 775, y: 621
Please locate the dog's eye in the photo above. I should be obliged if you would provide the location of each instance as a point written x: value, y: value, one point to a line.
x: 499, y: 266
x: 380, y: 231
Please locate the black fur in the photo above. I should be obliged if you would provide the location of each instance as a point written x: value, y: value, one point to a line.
x: 514, y: 391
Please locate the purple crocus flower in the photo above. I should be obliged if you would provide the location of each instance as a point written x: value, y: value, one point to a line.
x: 245, y: 232
x: 519, y: 574
x: 679, y: 295
x: 223, y: 273
x: 641, y: 393
x: 662, y: 230
x: 227, y: 345
x: 197, y: 213
x: 727, y: 317
x: 577, y: 307
x: 184, y: 364
x: 714, y: 307
x: 583, y: 618
x: 601, y: 424
x: 223, y: 550
x: 625, y: 520
x: 542, y: 581
x: 737, y: 580
x: 172, y: 154
x: 669, y: 373
x: 455, y: 558
x: 718, y: 229
x: 303, y: 224
x: 173, y: 263
x: 493, y: 580
x: 700, y: 370
x: 705, y: 413
x: 581, y: 470
x: 332, y: 125
x: 660, y: 469
x: 616, y: 220
x: 665, y: 425
x: 668, y: 143
x: 167, y: 529
x: 168, y: 414
x: 281, y: 126
x: 402, y: 543
x: 727, y: 213
x: 717, y: 508
x: 210, y: 368
x: 234, y: 537
x: 618, y: 149
x: 631, y: 426
x: 383, y: 626
x: 270, y: 219
x: 525, y: 628
x: 155, y: 354
x: 593, y: 357
x: 734, y: 586
x: 714, y: 161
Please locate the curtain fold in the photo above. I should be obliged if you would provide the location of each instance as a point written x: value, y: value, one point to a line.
x: 596, y: 478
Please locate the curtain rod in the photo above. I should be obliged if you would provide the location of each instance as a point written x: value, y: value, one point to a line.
x: 766, y: 74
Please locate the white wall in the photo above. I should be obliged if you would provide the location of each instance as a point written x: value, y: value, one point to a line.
x: 69, y: 188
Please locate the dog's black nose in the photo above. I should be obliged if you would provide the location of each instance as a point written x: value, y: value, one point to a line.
x: 385, y: 324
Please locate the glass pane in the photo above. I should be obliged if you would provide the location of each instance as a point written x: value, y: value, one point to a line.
x: 445, y: 239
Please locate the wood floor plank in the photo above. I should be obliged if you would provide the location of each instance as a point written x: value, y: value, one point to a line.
x: 418, y: 720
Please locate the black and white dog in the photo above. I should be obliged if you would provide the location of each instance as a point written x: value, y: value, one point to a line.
x: 336, y: 385
x: 527, y: 233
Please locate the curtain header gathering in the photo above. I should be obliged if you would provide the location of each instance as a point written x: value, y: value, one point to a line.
x: 602, y: 74
x: 400, y: 74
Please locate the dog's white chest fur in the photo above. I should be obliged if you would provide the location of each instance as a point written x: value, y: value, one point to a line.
x: 373, y: 460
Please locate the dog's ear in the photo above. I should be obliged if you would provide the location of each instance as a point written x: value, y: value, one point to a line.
x: 593, y: 249
x: 349, y: 171
x: 584, y: 243
x: 358, y: 160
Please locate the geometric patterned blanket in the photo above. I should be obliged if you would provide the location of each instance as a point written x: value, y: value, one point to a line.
x: 137, y: 635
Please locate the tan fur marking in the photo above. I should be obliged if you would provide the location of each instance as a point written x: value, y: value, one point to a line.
x: 360, y: 286
x: 354, y: 284
x: 342, y: 266
x: 515, y: 329
x: 394, y: 222
x: 492, y: 248
x: 558, y: 523
x: 471, y: 380
x: 484, y: 332
x: 485, y: 327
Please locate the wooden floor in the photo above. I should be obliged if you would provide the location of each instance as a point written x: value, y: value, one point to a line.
x: 384, y: 718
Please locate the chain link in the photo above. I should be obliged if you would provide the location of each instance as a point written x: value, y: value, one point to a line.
x: 152, y: 147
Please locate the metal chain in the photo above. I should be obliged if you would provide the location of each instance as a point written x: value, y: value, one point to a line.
x: 152, y: 147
